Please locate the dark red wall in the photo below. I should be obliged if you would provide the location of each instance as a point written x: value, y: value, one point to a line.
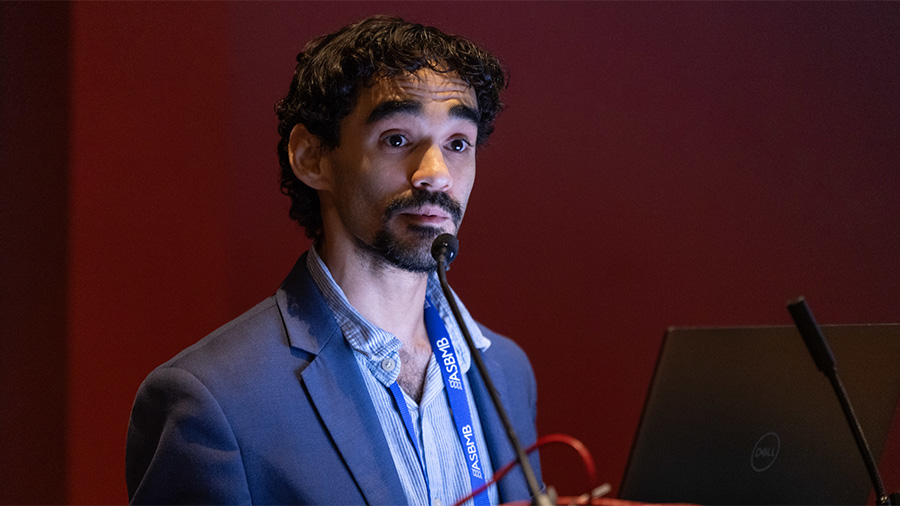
x: 34, y: 176
x: 658, y: 164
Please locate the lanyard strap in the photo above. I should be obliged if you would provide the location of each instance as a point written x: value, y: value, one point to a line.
x: 410, y: 431
x: 459, y: 404
x: 456, y: 393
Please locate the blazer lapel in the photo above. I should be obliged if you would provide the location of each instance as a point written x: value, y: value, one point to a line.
x: 499, y: 447
x: 337, y: 389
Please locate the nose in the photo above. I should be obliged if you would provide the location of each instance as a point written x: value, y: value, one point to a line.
x: 432, y: 173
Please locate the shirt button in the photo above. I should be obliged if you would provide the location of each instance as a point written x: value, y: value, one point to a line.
x: 436, y: 502
x: 388, y: 364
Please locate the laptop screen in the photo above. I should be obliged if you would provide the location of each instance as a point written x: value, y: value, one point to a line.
x: 742, y: 416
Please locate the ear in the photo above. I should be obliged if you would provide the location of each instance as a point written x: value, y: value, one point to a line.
x: 305, y: 152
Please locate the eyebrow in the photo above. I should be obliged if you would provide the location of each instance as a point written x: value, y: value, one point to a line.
x: 465, y: 112
x: 392, y: 107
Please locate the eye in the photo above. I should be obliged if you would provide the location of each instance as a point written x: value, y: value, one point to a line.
x: 395, y: 140
x: 458, y: 145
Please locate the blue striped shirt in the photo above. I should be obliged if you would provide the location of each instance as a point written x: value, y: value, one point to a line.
x: 378, y: 357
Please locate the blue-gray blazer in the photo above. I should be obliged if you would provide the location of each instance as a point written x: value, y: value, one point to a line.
x: 272, y: 409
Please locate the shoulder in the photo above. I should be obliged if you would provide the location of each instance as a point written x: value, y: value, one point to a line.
x: 504, y: 348
x: 227, y: 349
x: 507, y: 356
x: 287, y: 328
x: 238, y: 361
x: 204, y: 396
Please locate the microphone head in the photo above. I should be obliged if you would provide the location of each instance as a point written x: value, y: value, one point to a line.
x: 445, y: 247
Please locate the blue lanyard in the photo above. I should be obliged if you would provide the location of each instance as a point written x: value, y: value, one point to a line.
x: 410, y: 431
x: 459, y: 404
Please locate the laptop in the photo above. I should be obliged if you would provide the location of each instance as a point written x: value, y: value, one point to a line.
x: 742, y: 416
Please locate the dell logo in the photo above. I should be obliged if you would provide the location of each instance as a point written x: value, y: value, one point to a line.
x: 765, y: 452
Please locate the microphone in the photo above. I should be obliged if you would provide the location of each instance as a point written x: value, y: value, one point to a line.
x: 812, y: 336
x: 824, y: 359
x: 444, y: 250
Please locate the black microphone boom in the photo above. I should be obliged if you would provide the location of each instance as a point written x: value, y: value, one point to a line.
x: 824, y: 359
x: 444, y: 250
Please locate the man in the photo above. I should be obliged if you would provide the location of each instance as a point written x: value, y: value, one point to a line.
x: 329, y: 391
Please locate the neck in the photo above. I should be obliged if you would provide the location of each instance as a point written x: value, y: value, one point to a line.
x: 391, y: 298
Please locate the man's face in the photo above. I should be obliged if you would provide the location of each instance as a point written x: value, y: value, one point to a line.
x: 405, y: 166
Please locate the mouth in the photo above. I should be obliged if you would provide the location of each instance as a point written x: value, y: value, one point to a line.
x: 428, y: 211
x: 427, y: 214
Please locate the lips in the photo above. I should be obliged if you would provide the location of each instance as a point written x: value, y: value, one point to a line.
x: 432, y: 216
x: 426, y: 207
x: 430, y: 212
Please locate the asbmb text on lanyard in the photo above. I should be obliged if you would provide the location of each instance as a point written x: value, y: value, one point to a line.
x: 459, y: 403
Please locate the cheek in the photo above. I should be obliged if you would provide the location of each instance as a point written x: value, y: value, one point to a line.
x: 352, y: 192
x: 369, y: 196
x: 463, y: 185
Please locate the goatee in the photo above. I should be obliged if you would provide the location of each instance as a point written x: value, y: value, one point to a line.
x: 412, y: 251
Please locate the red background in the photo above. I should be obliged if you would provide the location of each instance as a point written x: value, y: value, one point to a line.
x: 658, y: 164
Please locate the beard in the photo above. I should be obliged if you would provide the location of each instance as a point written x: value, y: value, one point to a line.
x: 411, y: 250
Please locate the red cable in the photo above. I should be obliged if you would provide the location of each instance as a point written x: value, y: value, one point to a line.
x: 575, y: 444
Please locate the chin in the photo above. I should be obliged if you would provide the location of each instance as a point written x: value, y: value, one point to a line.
x: 410, y: 253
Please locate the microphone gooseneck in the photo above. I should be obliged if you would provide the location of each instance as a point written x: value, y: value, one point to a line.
x: 824, y: 359
x: 444, y: 250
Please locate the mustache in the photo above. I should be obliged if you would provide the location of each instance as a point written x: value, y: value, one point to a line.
x: 420, y: 198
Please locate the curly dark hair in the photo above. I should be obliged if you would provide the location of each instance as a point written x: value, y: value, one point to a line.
x: 332, y: 67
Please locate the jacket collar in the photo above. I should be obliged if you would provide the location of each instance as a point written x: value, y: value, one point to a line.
x: 336, y: 388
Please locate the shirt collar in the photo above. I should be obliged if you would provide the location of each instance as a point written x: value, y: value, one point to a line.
x: 376, y: 344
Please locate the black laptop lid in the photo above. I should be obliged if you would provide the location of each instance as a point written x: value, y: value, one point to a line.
x: 742, y: 416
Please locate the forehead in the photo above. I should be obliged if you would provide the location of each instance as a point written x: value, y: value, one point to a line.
x: 424, y: 86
